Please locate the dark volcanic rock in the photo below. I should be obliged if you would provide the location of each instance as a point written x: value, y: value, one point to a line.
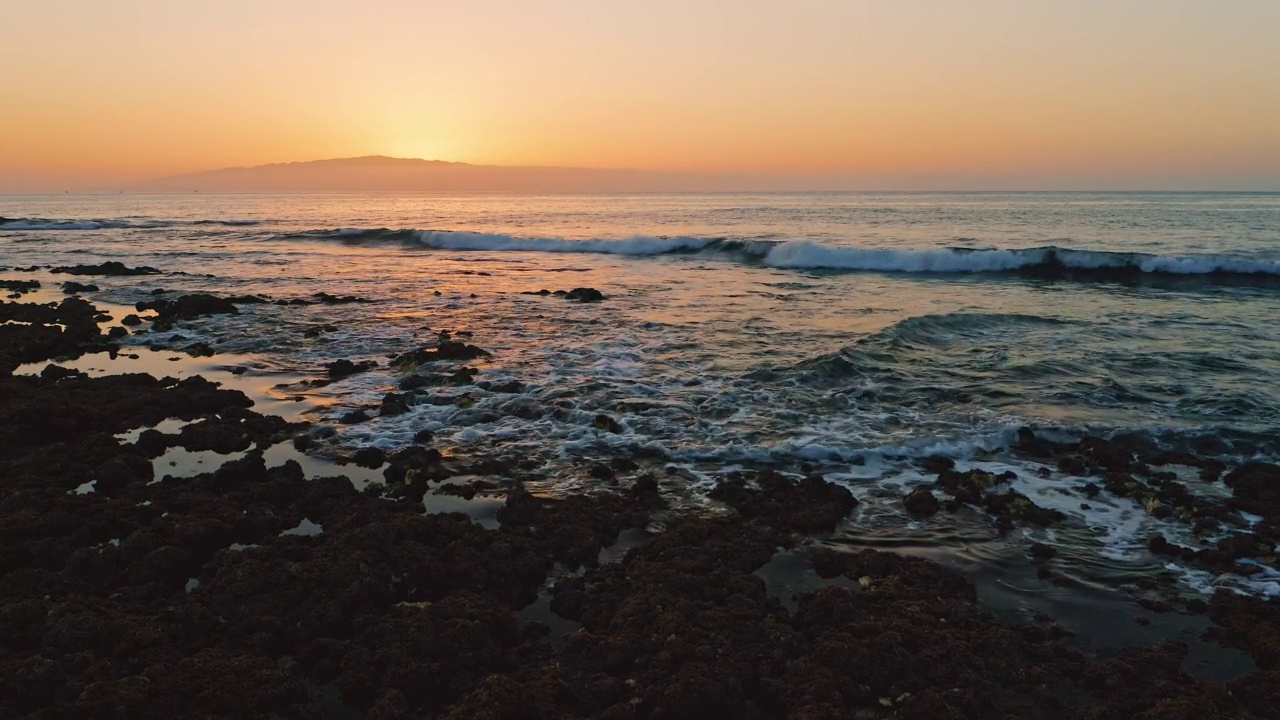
x: 604, y: 423
x: 187, y: 307
x: 192, y: 598
x: 1011, y: 507
x: 447, y: 350
x: 1256, y: 489
x: 339, y: 369
x: 20, y: 286
x: 395, y: 404
x: 110, y: 267
x: 808, y: 506
x: 44, y: 332
x: 370, y: 457
x: 1041, y: 552
x: 131, y: 320
x: 325, y: 298
x: 584, y: 294
x: 968, y: 486
x: 319, y: 330
x: 921, y: 502
x: 72, y: 287
x: 937, y: 463
x: 354, y: 417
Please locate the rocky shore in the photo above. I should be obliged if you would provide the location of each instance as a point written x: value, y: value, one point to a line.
x: 255, y: 591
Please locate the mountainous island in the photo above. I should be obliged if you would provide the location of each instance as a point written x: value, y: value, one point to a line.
x: 380, y: 173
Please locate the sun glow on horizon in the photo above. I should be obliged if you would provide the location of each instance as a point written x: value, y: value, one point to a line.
x: 108, y: 92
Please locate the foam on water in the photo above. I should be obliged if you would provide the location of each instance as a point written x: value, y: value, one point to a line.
x: 801, y: 253
x: 844, y: 332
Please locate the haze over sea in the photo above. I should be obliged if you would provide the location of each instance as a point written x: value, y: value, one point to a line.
x: 855, y: 332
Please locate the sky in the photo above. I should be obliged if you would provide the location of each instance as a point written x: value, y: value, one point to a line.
x: 1002, y: 93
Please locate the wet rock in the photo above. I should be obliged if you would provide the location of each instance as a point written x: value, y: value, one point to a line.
x: 200, y: 349
x: 423, y: 436
x: 1073, y: 465
x: 1249, y: 623
x: 584, y: 294
x: 20, y: 286
x: 584, y: 525
x: 110, y: 267
x: 395, y: 404
x: 72, y: 287
x: 325, y: 298
x: 647, y: 493
x: 370, y: 457
x: 1012, y: 507
x: 43, y: 332
x: 131, y: 320
x: 460, y: 376
x: 968, y: 486
x: 55, y: 373
x: 448, y: 350
x: 416, y: 465
x: 937, y: 463
x: 523, y: 407
x: 509, y: 387
x: 117, y: 332
x: 469, y: 490
x: 1160, y: 545
x: 354, y: 417
x: 809, y: 506
x: 1041, y: 552
x: 921, y: 502
x: 343, y: 368
x: 317, y: 331
x: 604, y: 423
x: 1255, y: 487
x: 186, y: 307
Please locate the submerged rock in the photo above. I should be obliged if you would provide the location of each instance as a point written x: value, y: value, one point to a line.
x: 354, y: 417
x: 72, y: 287
x: 111, y: 267
x: 604, y: 423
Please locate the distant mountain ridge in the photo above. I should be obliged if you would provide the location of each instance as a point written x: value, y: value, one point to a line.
x: 380, y: 173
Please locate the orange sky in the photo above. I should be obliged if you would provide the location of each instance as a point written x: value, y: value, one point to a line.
x: 95, y: 92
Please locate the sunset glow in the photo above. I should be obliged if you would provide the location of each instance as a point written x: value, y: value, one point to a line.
x: 96, y: 94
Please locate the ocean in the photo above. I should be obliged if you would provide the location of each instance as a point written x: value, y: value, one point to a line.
x: 848, y: 334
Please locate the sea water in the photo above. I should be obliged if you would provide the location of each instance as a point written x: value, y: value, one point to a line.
x: 853, y: 332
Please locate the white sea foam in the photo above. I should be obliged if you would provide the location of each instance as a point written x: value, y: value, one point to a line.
x: 808, y: 254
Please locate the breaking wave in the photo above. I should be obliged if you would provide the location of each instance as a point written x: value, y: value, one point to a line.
x: 1047, y: 261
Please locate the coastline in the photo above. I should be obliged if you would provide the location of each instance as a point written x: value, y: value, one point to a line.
x: 271, y: 587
